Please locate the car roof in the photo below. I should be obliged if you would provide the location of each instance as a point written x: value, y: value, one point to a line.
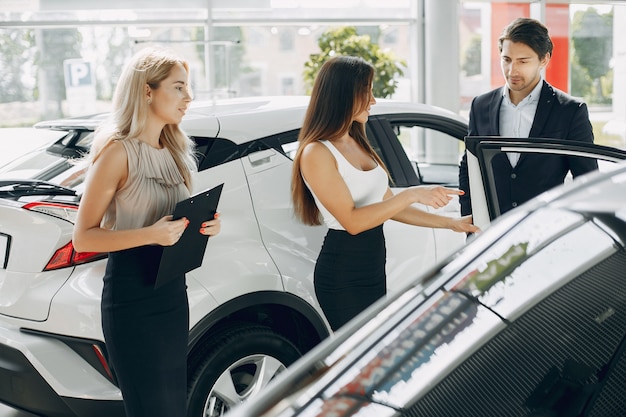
x: 264, y: 116
x: 270, y: 115
x: 595, y: 192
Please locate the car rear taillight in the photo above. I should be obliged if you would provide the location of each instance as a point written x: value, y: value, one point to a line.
x: 63, y: 211
x: 103, y: 361
x: 66, y: 256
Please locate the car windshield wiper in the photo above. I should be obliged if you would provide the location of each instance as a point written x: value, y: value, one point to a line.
x: 574, y: 390
x: 22, y: 188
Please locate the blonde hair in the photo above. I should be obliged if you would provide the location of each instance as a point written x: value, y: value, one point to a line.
x: 130, y: 108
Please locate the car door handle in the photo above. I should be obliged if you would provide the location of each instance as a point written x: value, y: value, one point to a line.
x: 261, y: 157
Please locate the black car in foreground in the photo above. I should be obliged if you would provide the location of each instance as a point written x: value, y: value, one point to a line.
x: 528, y: 319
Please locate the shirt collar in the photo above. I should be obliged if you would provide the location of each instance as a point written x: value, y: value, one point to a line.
x: 533, y: 97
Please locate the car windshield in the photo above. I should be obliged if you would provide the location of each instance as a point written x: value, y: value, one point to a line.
x: 59, y: 162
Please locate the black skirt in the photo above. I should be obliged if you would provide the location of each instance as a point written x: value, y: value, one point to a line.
x: 146, y: 332
x: 350, y: 273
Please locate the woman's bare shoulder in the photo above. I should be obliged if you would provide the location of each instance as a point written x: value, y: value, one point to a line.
x: 315, y: 157
x: 315, y: 150
x: 113, y: 153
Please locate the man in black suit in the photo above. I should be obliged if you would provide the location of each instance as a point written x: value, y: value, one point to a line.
x: 527, y: 106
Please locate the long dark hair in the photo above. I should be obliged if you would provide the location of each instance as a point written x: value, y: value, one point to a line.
x: 341, y: 90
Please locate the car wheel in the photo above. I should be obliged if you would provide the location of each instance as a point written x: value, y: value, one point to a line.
x: 235, y: 366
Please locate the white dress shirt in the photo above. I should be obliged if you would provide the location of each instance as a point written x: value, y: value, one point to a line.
x: 516, y: 120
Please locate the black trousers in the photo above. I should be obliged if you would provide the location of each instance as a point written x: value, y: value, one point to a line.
x: 350, y: 273
x: 146, y: 333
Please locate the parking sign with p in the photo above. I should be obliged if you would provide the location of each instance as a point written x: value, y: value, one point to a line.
x: 80, y: 87
x: 77, y: 73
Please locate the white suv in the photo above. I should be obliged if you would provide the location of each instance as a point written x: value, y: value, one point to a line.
x: 252, y: 304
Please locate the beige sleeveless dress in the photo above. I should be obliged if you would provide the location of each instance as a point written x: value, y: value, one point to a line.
x: 146, y: 329
x: 153, y: 188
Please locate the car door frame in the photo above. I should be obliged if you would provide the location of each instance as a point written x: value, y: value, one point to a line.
x: 383, y: 139
x: 482, y: 149
x: 402, y: 240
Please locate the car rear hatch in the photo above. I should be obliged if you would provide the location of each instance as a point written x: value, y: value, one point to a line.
x: 39, y: 195
x: 29, y: 274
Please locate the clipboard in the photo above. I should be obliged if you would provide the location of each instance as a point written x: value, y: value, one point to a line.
x: 187, y: 254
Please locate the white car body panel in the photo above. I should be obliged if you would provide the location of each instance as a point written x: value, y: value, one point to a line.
x: 75, y: 308
x: 223, y: 276
x: 59, y: 365
x: 25, y: 289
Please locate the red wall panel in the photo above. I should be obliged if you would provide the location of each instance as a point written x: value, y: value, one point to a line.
x: 557, y: 21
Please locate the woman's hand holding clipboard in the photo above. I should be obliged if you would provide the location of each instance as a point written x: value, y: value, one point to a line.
x: 188, y: 253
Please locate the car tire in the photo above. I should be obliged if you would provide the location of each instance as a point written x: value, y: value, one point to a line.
x: 234, y: 366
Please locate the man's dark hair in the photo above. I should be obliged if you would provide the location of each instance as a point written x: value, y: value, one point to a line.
x: 530, y: 32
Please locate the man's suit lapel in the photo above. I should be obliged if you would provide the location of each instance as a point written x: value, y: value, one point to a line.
x: 547, y: 99
x: 494, y: 113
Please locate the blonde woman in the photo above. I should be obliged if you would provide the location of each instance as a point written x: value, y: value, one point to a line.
x: 338, y: 179
x: 141, y: 166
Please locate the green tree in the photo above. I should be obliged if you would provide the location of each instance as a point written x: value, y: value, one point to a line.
x: 346, y: 41
x: 16, y: 53
x: 581, y: 85
x: 472, y: 57
x: 592, y: 39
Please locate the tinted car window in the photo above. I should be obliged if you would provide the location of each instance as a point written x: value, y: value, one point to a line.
x: 212, y: 152
x: 216, y: 151
x: 491, y: 154
x: 29, y: 165
x: 551, y: 361
x: 552, y: 350
x: 46, y: 163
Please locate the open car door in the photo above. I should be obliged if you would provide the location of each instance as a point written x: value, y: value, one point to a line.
x: 482, y: 149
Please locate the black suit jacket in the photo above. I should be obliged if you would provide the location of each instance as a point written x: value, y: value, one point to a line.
x: 558, y: 116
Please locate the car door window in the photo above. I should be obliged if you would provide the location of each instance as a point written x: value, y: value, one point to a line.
x: 212, y: 152
x: 434, y: 155
x: 288, y: 143
x: 483, y: 152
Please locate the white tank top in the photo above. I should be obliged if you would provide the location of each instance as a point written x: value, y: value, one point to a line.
x: 366, y: 187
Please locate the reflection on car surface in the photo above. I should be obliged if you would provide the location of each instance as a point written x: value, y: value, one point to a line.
x: 252, y: 304
x: 529, y: 319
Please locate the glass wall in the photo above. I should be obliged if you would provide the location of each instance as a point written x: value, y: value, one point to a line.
x: 63, y: 57
x: 588, y: 60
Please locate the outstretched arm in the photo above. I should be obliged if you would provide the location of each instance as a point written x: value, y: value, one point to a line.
x: 414, y: 216
x: 319, y: 169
